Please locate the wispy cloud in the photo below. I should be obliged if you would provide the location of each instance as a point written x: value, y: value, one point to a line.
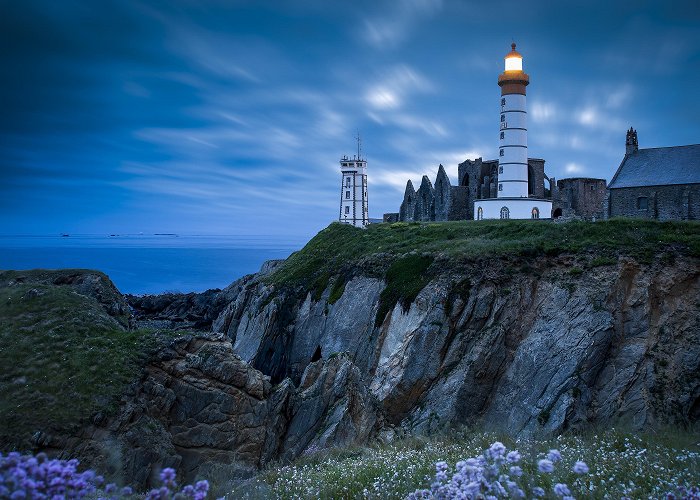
x: 388, y: 30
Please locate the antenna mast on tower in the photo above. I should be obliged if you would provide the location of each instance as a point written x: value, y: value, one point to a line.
x: 359, y: 142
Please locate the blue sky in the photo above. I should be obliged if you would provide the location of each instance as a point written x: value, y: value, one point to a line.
x: 229, y: 117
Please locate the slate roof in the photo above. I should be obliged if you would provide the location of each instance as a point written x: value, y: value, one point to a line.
x: 659, y: 167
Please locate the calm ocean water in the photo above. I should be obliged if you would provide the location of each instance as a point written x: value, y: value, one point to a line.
x: 141, y: 264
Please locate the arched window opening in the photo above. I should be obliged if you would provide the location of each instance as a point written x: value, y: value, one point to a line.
x: 535, y: 213
x: 556, y: 213
x: 505, y: 213
x: 479, y: 213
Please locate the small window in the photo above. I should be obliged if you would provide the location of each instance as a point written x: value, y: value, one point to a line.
x: 535, y: 213
x: 505, y: 213
x: 591, y: 187
x: 347, y: 195
x: 347, y: 182
x: 500, y: 170
x: 479, y: 213
x: 347, y: 210
x: 345, y: 164
x: 503, y: 117
x: 500, y: 187
x: 500, y: 152
x: 503, y: 135
x: 503, y: 101
x: 642, y: 203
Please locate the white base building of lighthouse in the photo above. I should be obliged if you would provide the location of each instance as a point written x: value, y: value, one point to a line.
x: 512, y: 200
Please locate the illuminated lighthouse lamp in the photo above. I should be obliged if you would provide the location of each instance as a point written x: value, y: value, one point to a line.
x: 514, y: 61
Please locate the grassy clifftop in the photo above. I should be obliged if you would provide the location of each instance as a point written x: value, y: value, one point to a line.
x: 341, y: 248
x: 64, y: 356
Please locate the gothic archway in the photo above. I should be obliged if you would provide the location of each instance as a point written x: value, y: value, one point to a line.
x: 479, y: 213
x: 505, y: 213
x: 535, y: 213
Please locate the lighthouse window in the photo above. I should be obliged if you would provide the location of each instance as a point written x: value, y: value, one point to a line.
x: 347, y: 210
x: 347, y: 194
x: 503, y: 117
x: 503, y: 101
x: 500, y: 170
x: 503, y: 135
x: 500, y: 187
x: 501, y: 152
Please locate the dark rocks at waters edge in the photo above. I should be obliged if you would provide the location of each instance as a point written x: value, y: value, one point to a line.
x: 189, y: 311
x: 526, y: 347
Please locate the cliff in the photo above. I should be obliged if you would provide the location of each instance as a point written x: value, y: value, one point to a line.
x: 530, y: 328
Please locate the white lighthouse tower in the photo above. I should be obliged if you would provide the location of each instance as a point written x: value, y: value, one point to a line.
x: 353, y: 192
x: 512, y: 201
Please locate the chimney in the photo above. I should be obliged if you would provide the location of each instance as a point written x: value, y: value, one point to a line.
x: 631, y: 145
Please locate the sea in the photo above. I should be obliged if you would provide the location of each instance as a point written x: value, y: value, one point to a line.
x: 149, y: 264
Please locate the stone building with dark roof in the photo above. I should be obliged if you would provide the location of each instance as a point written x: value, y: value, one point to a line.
x: 656, y: 183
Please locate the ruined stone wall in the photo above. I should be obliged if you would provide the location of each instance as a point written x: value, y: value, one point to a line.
x: 679, y: 202
x: 536, y: 177
x: 425, y: 201
x: 408, y: 205
x: 580, y: 197
x: 461, y: 208
x: 391, y: 217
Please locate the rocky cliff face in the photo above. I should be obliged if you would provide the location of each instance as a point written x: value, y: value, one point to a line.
x: 526, y: 346
x: 201, y: 409
x: 546, y: 346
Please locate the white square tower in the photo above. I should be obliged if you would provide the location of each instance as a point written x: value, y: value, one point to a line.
x: 353, y: 192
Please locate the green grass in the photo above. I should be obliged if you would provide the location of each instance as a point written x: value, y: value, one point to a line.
x: 622, y: 464
x: 405, y: 278
x: 63, y: 357
x: 343, y: 248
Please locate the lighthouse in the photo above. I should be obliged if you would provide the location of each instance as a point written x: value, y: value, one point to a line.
x: 512, y: 200
x: 353, y: 190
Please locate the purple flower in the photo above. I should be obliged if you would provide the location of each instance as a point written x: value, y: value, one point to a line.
x: 516, y: 471
x: 561, y: 490
x: 554, y: 455
x: 497, y: 450
x: 538, y: 492
x: 167, y: 477
x: 545, y: 466
x: 513, y: 457
x: 202, y: 486
x: 580, y: 467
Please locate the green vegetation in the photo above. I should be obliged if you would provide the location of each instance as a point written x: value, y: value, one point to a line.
x: 575, y: 271
x: 405, y: 278
x: 63, y: 357
x: 337, y: 290
x: 341, y: 248
x: 603, y: 261
x: 460, y: 290
x: 622, y: 465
